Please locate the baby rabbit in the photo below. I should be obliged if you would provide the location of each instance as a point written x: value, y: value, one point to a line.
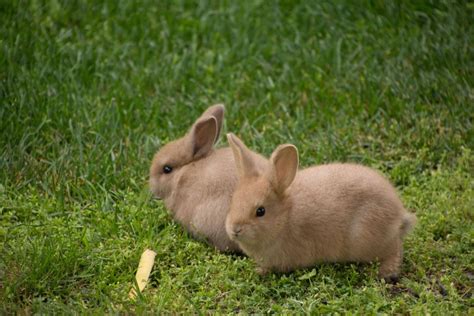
x: 286, y: 219
x: 196, y: 181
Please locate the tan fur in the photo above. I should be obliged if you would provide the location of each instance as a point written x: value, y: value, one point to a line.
x: 198, y: 190
x: 328, y: 213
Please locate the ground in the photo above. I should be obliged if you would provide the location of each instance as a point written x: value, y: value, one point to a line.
x: 89, y: 91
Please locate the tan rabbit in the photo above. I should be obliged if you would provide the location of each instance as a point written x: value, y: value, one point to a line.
x: 196, y: 181
x: 286, y: 219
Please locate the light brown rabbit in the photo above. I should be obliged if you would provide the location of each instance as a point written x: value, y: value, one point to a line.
x: 196, y: 181
x: 286, y: 219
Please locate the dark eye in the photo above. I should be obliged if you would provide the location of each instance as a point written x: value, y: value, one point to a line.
x: 167, y: 169
x: 260, y: 211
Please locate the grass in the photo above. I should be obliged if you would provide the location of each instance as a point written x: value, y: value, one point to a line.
x: 89, y: 91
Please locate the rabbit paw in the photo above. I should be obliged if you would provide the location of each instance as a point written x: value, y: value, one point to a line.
x: 392, y: 279
x: 262, y: 271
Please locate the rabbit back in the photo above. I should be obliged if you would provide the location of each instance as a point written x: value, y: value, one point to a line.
x: 351, y: 212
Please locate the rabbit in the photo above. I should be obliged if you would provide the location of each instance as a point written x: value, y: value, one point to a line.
x: 196, y: 181
x: 286, y: 219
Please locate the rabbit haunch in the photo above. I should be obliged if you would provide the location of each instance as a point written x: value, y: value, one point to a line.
x: 328, y: 213
x: 199, y: 187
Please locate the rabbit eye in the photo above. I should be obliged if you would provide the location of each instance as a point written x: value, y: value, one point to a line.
x: 167, y: 169
x: 260, y: 211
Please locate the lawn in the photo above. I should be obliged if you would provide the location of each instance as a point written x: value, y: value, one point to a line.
x: 89, y: 91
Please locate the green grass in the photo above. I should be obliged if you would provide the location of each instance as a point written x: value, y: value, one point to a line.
x: 88, y: 92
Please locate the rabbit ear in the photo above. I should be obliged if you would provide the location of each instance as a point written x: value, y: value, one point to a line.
x: 284, y: 166
x: 202, y: 136
x: 216, y: 111
x: 242, y: 156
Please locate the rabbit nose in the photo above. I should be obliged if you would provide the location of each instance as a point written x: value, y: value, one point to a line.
x: 237, y: 231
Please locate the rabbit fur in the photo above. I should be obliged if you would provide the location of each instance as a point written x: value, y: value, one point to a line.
x: 329, y: 213
x: 198, y: 189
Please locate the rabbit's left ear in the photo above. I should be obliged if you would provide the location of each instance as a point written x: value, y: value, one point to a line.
x: 202, y: 136
x: 216, y: 111
x: 244, y: 161
x: 284, y: 162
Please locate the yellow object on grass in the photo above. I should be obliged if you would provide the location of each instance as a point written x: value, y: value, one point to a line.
x: 143, y: 273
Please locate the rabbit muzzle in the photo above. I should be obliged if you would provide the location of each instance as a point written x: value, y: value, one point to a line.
x: 235, y: 232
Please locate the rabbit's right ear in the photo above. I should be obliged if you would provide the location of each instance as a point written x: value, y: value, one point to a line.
x: 202, y: 136
x: 284, y: 166
x: 242, y: 156
x: 216, y: 111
